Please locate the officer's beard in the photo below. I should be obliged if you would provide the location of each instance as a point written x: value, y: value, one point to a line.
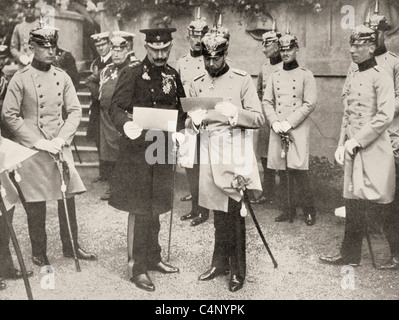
x: 215, y: 72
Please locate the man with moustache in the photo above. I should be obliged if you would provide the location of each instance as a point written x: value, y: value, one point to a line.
x: 189, y: 66
x: 289, y: 99
x: 138, y: 186
x: 364, y: 146
x: 230, y: 121
x: 42, y: 111
x: 272, y: 52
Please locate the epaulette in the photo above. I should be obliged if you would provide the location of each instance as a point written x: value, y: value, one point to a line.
x: 59, y: 69
x: 184, y: 55
x: 199, y: 76
x: 393, y: 54
x: 24, y: 69
x: 239, y: 72
x: 304, y: 69
x: 134, y: 64
x: 378, y: 68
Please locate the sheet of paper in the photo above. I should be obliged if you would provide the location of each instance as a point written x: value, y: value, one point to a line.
x: 192, y: 104
x: 14, y: 153
x: 154, y: 118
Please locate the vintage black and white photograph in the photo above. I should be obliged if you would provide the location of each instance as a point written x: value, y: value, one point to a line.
x: 199, y: 154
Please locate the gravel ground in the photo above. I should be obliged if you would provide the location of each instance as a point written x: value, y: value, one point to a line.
x: 296, y: 247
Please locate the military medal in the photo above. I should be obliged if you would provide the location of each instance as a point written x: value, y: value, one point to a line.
x: 166, y: 83
x: 114, y: 74
x: 212, y: 86
x: 145, y: 75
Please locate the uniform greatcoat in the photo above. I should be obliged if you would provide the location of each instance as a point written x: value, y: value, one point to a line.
x: 369, y: 103
x: 20, y: 38
x: 33, y: 109
x: 109, y: 136
x: 264, y: 131
x: 138, y: 186
x: 189, y: 67
x: 290, y: 96
x: 221, y: 140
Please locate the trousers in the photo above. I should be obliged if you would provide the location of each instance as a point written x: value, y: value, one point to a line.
x: 6, y: 263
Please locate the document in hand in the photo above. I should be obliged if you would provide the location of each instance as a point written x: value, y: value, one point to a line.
x: 155, y: 118
x: 14, y: 154
x: 197, y: 103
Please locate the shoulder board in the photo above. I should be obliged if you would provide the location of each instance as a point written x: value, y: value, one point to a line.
x: 239, y: 72
x: 24, y: 69
x: 59, y: 69
x: 184, y: 55
x: 134, y: 64
x: 393, y: 54
x: 304, y: 69
x: 199, y: 76
x: 378, y: 68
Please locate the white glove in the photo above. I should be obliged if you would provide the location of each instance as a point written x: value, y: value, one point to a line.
x: 351, y: 145
x: 339, y: 155
x: 59, y: 142
x: 197, y: 116
x: 285, y: 126
x: 47, y: 145
x: 277, y: 128
x: 179, y: 137
x: 227, y: 109
x: 132, y: 130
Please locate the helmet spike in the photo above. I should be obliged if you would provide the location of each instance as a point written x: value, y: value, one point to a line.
x: 274, y: 26
x: 220, y: 21
x: 376, y: 9
x: 367, y: 22
x: 41, y: 22
x: 287, y: 30
x: 199, y: 13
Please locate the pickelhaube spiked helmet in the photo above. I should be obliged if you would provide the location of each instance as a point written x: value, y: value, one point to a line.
x: 44, y: 36
x: 198, y: 26
x: 362, y: 34
x: 216, y: 42
x: 377, y: 21
x: 288, y: 40
x: 271, y: 36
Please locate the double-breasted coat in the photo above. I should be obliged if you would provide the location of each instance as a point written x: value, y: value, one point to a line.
x: 291, y: 96
x: 109, y: 136
x: 38, y: 105
x: 138, y: 185
x: 264, y: 131
x: 369, y: 109
x: 226, y: 148
x: 189, y: 67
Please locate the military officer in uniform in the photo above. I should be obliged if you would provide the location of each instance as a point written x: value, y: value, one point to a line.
x: 109, y: 136
x: 19, y: 46
x: 103, y: 46
x: 289, y: 99
x: 36, y: 99
x: 272, y: 52
x: 189, y: 66
x: 364, y: 146
x: 129, y: 37
x: 137, y: 186
x: 230, y: 121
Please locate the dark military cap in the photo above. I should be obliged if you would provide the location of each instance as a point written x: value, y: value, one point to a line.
x: 288, y: 41
x: 118, y: 43
x: 45, y: 37
x: 100, y: 38
x: 362, y: 34
x: 158, y: 38
x: 3, y: 51
x: 271, y: 36
x: 128, y: 36
x: 29, y: 4
x: 198, y: 26
x: 216, y: 42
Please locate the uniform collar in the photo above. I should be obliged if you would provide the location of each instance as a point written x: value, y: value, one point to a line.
x: 106, y: 57
x: 195, y: 53
x: 275, y: 60
x: 368, y: 64
x: 40, y: 65
x: 290, y: 65
x: 30, y: 19
x: 380, y: 50
x: 222, y: 71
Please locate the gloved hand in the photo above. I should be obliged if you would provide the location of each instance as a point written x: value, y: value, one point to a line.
x: 197, y: 116
x: 227, y: 109
x: 179, y: 137
x: 351, y: 145
x: 339, y: 155
x: 285, y: 126
x: 277, y: 128
x: 47, y: 145
x: 59, y: 142
x: 132, y: 130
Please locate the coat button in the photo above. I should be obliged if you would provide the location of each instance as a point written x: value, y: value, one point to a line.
x: 360, y: 114
x: 41, y: 126
x: 38, y: 85
x: 294, y: 96
x: 55, y: 74
x: 359, y: 94
x: 59, y: 93
x: 58, y: 83
x: 152, y: 90
x: 293, y: 88
x: 154, y: 103
x: 278, y: 88
x: 42, y: 106
x: 279, y: 96
x: 359, y: 104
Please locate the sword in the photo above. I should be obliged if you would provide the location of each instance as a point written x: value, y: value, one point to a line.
x: 240, y: 184
x: 17, y: 249
x: 77, y: 151
x: 285, y: 141
x: 62, y: 166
